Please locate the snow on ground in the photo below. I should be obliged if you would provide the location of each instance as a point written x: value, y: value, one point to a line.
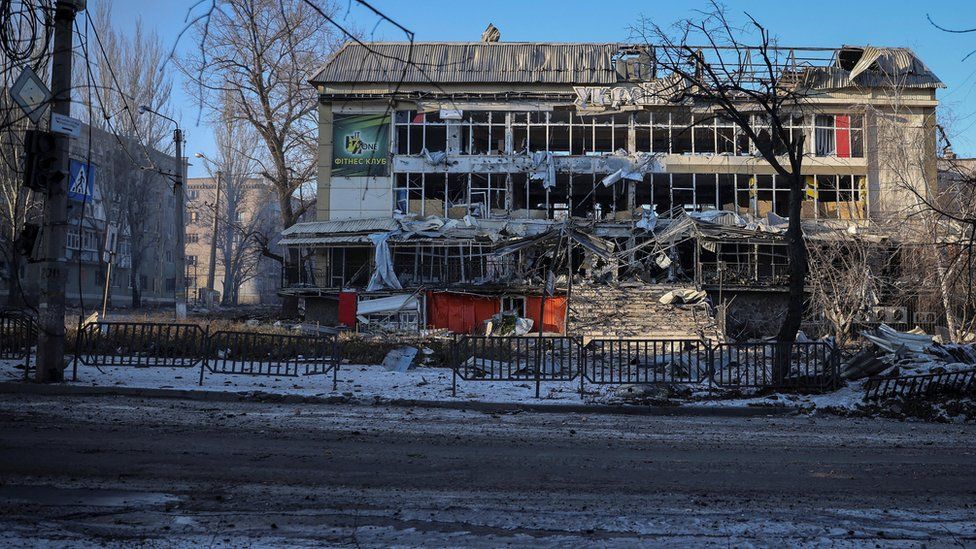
x: 358, y: 381
x: 371, y: 382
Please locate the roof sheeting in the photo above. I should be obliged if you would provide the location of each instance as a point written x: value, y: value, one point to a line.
x: 366, y: 225
x: 877, y: 67
x: 474, y: 62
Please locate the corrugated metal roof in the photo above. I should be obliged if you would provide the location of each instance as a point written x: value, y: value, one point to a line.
x: 367, y: 225
x: 876, y: 68
x: 474, y: 62
x: 325, y: 240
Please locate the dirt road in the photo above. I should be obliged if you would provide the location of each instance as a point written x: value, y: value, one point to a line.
x: 125, y: 471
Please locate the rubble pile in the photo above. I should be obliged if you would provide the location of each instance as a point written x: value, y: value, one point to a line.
x: 891, y: 353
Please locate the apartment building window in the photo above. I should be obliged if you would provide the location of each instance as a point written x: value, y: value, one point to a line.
x: 191, y: 260
x: 194, y: 216
x: 840, y: 135
x: 74, y: 238
x: 192, y: 238
x: 193, y: 194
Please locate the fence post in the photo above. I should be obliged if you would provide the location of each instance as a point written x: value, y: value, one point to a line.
x: 710, y: 369
x: 336, y: 359
x: 206, y: 352
x: 27, y: 354
x: 74, y: 362
x: 455, y: 358
x: 538, y: 360
x: 581, y: 359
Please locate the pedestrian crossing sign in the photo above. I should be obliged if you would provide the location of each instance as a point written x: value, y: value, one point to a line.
x: 82, y: 181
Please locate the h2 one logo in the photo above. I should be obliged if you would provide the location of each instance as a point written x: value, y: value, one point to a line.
x: 356, y: 146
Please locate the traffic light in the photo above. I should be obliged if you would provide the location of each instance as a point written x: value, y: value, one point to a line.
x: 41, y: 165
x: 26, y: 241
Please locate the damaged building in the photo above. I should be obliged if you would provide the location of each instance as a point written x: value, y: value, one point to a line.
x: 547, y: 180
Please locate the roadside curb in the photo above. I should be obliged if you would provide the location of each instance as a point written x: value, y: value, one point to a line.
x: 481, y: 406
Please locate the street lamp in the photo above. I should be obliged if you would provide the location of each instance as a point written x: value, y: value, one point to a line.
x: 213, y: 237
x: 180, y: 208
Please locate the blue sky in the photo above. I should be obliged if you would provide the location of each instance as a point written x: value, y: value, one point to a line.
x: 828, y: 23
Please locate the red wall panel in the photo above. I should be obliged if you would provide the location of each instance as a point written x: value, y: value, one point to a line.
x: 843, y: 135
x: 555, y: 313
x: 347, y: 309
x: 460, y: 313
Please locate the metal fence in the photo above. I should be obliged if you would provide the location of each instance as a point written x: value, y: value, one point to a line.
x: 516, y: 358
x: 141, y: 344
x: 805, y: 365
x: 18, y: 335
x: 812, y: 365
x: 257, y: 354
x: 149, y: 344
x: 617, y: 361
x: 880, y: 388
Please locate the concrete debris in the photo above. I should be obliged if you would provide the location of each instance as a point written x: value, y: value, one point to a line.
x: 689, y: 297
x: 399, y: 360
x: 648, y: 218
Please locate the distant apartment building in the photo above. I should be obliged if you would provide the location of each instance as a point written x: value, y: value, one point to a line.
x: 248, y: 211
x: 101, y: 170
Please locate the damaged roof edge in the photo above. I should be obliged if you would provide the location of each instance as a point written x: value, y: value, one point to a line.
x: 582, y: 63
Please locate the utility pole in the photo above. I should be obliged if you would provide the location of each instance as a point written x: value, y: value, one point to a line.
x: 179, y: 177
x: 180, y: 226
x: 213, y: 246
x: 50, y: 335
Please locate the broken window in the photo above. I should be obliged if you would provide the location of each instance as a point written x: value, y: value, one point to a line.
x: 662, y: 192
x: 681, y: 132
x: 841, y: 196
x: 582, y: 187
x: 559, y: 132
x: 725, y: 189
x: 703, y: 134
x: 725, y: 133
x: 346, y: 267
x: 488, y: 195
x: 483, y: 132
x: 706, y: 192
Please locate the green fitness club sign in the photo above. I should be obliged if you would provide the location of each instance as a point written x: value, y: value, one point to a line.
x: 360, y: 145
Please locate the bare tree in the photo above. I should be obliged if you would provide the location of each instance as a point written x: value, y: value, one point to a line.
x: 243, y: 212
x: 27, y: 44
x: 263, y: 53
x: 754, y: 87
x: 125, y: 72
x: 18, y: 204
x: 848, y: 278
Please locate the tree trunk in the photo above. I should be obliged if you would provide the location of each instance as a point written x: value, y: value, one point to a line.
x: 134, y: 282
x: 15, y: 296
x: 797, y: 254
x: 944, y: 292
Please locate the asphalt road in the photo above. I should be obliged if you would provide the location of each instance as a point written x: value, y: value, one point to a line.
x: 127, y: 472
